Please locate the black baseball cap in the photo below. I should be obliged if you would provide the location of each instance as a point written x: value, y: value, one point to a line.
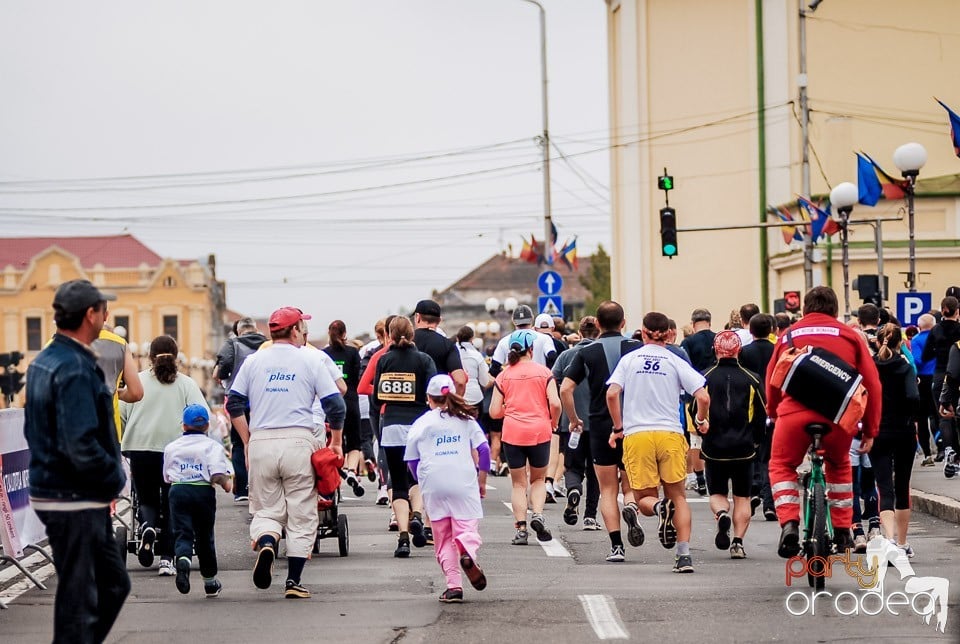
x: 427, y: 307
x: 77, y: 296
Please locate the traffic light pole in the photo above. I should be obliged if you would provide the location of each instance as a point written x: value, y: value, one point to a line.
x: 781, y: 224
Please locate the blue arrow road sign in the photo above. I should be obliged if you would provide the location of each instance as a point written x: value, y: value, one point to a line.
x: 551, y: 305
x: 910, y: 306
x: 550, y: 282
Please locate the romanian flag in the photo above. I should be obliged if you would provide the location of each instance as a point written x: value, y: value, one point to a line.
x: 954, y: 127
x: 528, y: 252
x: 820, y: 221
x: 875, y: 184
x: 790, y: 233
x: 568, y: 255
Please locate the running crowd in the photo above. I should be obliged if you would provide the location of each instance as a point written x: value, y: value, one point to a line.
x: 601, y: 419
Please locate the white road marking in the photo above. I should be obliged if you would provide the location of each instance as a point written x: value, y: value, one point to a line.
x: 42, y: 574
x: 553, y: 548
x: 490, y: 487
x: 604, y: 618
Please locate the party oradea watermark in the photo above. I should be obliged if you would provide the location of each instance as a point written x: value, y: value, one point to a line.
x: 925, y: 597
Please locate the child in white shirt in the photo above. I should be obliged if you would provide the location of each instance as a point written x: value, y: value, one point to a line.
x: 193, y: 464
x: 439, y: 452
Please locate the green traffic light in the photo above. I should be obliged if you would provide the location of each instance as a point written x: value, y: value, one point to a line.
x: 669, y: 250
x: 668, y: 183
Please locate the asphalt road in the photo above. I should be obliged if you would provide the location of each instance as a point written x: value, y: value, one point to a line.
x: 565, y: 594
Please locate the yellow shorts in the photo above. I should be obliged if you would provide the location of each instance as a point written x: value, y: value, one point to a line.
x: 652, y: 457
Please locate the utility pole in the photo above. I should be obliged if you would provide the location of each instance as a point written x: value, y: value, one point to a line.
x: 805, y: 134
x: 545, y: 137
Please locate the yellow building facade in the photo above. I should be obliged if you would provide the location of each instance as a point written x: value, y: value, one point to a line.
x: 155, y: 295
x: 709, y: 90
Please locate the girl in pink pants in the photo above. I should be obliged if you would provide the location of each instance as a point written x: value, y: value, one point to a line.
x: 440, y: 448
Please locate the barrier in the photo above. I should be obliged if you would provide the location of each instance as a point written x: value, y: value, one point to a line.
x: 20, y: 527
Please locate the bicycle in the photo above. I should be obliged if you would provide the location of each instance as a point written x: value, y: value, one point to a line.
x: 818, y: 535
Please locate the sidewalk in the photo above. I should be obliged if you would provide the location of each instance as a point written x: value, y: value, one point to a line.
x: 934, y: 494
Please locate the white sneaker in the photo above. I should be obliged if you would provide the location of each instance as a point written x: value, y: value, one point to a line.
x: 167, y: 568
x: 550, y: 498
x: 590, y: 524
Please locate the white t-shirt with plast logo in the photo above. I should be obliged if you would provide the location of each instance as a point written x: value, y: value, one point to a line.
x: 447, y: 472
x: 281, y: 384
x: 652, y: 379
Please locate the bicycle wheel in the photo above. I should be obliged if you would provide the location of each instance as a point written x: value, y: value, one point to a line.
x: 816, y: 548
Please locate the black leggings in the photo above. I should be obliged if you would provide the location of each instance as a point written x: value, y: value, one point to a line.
x: 892, y: 458
x: 400, y: 477
x: 146, y: 470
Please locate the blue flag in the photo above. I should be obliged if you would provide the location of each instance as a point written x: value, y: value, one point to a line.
x: 868, y: 184
x: 954, y: 127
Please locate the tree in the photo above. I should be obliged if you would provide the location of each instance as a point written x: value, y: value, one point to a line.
x: 597, y: 280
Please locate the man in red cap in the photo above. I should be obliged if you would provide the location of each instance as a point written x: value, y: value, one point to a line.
x: 736, y: 427
x: 279, y: 387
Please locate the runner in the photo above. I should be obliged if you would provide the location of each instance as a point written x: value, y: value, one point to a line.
x: 347, y: 359
x: 595, y: 363
x: 400, y: 385
x: 755, y: 357
x: 525, y: 396
x: 942, y: 337
x: 544, y: 351
x: 446, y: 357
x: 737, y: 424
x: 544, y: 325
x: 654, y: 451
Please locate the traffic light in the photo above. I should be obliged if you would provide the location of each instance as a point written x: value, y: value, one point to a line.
x: 11, y: 382
x: 665, y: 182
x: 668, y: 232
x: 868, y: 287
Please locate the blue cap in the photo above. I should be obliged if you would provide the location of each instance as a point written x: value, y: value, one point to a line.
x: 196, y: 416
x: 523, y: 338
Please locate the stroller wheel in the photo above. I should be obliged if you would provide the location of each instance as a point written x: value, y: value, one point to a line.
x: 343, y: 535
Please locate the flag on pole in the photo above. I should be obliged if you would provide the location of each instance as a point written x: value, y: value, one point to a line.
x: 790, y: 233
x: 869, y: 189
x: 820, y: 221
x: 568, y: 254
x: 889, y: 187
x: 528, y: 252
x: 954, y: 127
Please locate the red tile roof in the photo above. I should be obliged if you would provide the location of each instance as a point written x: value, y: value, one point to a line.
x: 502, y: 273
x: 113, y: 251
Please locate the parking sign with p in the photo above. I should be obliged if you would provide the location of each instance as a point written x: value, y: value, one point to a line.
x: 910, y: 306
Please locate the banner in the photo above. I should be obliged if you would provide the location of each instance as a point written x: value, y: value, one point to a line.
x: 19, y: 524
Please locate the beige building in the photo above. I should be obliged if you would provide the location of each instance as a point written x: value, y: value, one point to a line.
x: 709, y: 90
x: 155, y: 295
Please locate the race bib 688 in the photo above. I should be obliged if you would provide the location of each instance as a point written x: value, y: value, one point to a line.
x: 398, y: 387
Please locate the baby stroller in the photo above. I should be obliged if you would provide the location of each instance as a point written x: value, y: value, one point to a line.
x: 327, y: 467
x: 127, y: 533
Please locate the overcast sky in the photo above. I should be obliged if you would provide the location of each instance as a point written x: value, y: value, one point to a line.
x: 341, y: 156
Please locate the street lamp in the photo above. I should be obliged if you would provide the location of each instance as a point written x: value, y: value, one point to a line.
x: 843, y: 197
x: 909, y: 158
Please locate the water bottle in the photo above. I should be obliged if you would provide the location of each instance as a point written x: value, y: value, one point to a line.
x: 574, y: 439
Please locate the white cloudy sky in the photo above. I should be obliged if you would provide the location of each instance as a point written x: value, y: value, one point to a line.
x: 342, y: 156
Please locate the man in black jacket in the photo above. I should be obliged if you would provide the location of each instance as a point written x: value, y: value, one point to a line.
x: 737, y: 419
x: 942, y: 337
x: 75, y: 467
x: 755, y: 357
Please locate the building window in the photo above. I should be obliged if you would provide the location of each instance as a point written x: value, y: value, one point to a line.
x: 169, y: 282
x: 34, y: 334
x: 170, y: 326
x: 124, y: 321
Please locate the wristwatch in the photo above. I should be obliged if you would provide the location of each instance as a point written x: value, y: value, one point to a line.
x: 699, y: 422
x: 617, y: 431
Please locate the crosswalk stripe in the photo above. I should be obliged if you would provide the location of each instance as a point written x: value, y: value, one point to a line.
x: 603, y: 616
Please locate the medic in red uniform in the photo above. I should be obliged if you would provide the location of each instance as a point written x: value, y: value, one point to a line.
x: 820, y: 328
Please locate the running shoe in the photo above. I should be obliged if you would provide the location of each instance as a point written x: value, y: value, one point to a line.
x: 295, y: 591
x: 371, y: 470
x: 939, y: 457
x: 691, y: 482
x: 737, y: 551
x: 403, y: 549
x: 354, y: 484
x: 950, y: 467
x: 755, y: 502
x: 521, y: 538
x: 212, y: 588
x: 428, y: 535
x: 873, y: 532
x: 550, y: 498
x: 241, y: 499
x: 702, y: 491
x: 183, y: 575
x: 503, y: 470
x: 927, y: 462
x: 859, y: 544
x: 559, y: 492
x: 263, y: 569
x: 473, y: 572
x: 616, y: 555
x: 634, y: 531
x: 722, y: 540
x: 665, y: 528
x: 452, y: 596
x: 590, y: 524
x: 145, y: 552
x: 382, y: 498
x: 392, y: 524
x: 683, y: 563
x: 167, y: 569
x: 416, y: 532
x: 906, y: 549
x: 538, y: 526
x: 570, y: 512
x: 770, y: 514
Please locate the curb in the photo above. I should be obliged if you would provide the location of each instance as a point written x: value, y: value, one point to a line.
x: 942, y: 507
